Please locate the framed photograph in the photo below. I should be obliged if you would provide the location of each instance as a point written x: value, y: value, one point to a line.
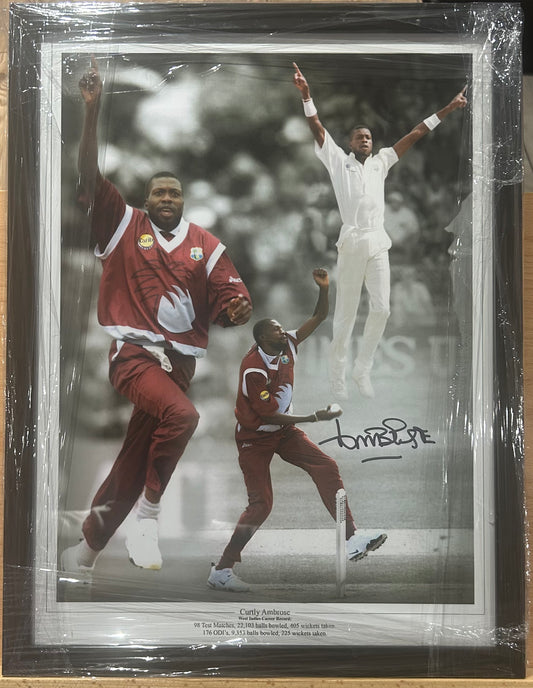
x: 260, y: 505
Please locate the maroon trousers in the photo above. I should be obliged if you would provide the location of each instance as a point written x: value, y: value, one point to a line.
x: 255, y: 457
x: 162, y: 422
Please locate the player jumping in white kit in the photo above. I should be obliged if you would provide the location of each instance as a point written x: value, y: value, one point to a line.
x: 358, y: 181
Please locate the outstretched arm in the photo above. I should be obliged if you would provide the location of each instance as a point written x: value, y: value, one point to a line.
x: 321, y: 311
x: 265, y: 404
x: 91, y: 90
x: 421, y: 129
x: 332, y: 411
x: 314, y: 123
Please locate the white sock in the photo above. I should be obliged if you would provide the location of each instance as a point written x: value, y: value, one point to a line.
x: 146, y: 509
x: 86, y: 556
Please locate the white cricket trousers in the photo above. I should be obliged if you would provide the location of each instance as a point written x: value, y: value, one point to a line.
x: 355, y: 268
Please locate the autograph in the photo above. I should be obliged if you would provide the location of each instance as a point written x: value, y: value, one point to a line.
x: 393, y: 432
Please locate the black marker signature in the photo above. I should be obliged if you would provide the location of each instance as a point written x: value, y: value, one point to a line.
x: 379, y: 458
x: 392, y: 432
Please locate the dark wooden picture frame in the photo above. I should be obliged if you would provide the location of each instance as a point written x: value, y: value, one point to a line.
x: 32, y: 272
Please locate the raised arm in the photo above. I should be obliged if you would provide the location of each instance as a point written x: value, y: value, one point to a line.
x: 91, y: 90
x: 321, y: 311
x: 309, y: 108
x: 421, y: 129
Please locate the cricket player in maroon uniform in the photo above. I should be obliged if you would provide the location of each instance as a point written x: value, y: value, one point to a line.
x: 164, y: 281
x: 266, y: 426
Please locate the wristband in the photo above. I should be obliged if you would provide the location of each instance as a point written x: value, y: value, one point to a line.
x: 309, y: 108
x: 316, y: 417
x: 431, y: 122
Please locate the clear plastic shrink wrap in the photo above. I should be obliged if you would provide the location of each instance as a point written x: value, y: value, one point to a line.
x: 378, y: 464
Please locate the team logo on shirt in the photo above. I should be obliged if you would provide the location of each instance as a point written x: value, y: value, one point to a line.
x: 176, y: 311
x: 265, y: 395
x: 197, y: 253
x: 146, y: 241
x: 284, y: 359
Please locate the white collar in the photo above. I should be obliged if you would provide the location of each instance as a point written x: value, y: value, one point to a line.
x: 354, y: 159
x: 179, y: 231
x: 271, y: 362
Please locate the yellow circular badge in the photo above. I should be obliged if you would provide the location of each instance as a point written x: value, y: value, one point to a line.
x: 265, y: 395
x: 146, y: 241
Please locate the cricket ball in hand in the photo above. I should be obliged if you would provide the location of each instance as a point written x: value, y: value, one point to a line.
x: 335, y: 408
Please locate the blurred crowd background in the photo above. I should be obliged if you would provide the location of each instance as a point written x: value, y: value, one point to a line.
x: 232, y: 128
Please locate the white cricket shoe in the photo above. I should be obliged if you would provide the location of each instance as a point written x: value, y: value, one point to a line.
x: 225, y: 579
x: 362, y: 380
x: 71, y: 570
x: 338, y: 389
x: 142, y: 544
x: 359, y: 545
